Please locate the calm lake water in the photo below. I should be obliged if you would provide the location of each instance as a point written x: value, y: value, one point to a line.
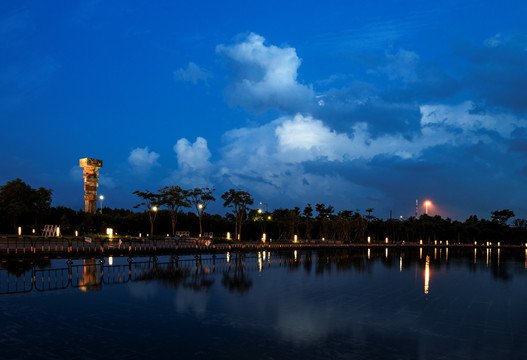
x: 347, y: 304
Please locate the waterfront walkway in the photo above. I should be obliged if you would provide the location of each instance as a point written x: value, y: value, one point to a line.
x: 20, y: 246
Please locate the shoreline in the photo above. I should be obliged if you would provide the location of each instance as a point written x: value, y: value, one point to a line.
x: 12, y: 247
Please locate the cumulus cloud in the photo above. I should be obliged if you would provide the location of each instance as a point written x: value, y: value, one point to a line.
x: 341, y: 146
x: 301, y: 157
x: 192, y: 156
x: 193, y: 73
x: 265, y: 77
x: 193, y: 162
x: 142, y: 159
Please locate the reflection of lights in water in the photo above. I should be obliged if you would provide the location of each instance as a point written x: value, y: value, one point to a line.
x: 400, y: 263
x: 446, y: 254
x: 260, y: 265
x: 427, y: 274
x: 228, y: 257
x: 498, y: 256
x: 440, y: 254
x: 420, y: 253
x: 296, y: 254
x: 368, y: 253
x: 386, y: 253
x: 526, y: 258
x: 435, y: 254
x: 475, y: 254
x: 264, y: 255
x: 487, y: 257
x: 110, y: 260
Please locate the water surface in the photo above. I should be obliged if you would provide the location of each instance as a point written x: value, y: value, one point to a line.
x: 357, y: 303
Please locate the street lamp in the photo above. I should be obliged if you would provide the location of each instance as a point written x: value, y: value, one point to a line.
x: 101, y: 198
x: 427, y: 204
x: 266, y: 206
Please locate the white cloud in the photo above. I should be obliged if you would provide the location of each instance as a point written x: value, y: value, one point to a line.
x: 266, y: 76
x: 270, y: 159
x: 192, y: 156
x: 193, y: 161
x: 142, y: 159
x: 473, y: 125
x: 193, y: 73
x: 304, y: 138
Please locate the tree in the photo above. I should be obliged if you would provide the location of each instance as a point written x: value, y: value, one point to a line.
x: 238, y: 200
x: 520, y: 223
x: 502, y: 216
x: 323, y: 217
x: 369, y: 217
x: 174, y: 198
x: 20, y: 200
x: 293, y: 216
x: 200, y: 198
x: 308, y: 213
x: 151, y: 201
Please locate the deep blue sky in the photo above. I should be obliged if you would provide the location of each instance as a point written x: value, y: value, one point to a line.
x: 357, y: 104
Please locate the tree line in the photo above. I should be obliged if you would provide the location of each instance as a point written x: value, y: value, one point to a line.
x: 172, y: 209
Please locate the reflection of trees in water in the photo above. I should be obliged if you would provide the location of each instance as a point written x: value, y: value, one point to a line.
x: 171, y: 275
x: 174, y: 278
x: 357, y: 259
x: 342, y: 259
x: 237, y: 281
x: 308, y: 261
x: 20, y: 267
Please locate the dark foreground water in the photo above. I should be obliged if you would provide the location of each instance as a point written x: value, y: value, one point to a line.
x: 352, y: 304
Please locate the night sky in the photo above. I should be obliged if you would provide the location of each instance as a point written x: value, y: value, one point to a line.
x: 355, y: 104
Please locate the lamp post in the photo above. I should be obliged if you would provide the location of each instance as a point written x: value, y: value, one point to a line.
x: 200, y: 207
x: 101, y: 198
x: 266, y: 206
x: 427, y: 204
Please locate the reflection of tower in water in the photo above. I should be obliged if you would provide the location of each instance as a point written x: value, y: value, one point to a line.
x: 91, y: 280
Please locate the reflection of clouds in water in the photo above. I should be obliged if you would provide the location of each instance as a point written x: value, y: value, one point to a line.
x: 142, y: 290
x: 188, y: 300
x: 303, y: 316
x: 302, y: 324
